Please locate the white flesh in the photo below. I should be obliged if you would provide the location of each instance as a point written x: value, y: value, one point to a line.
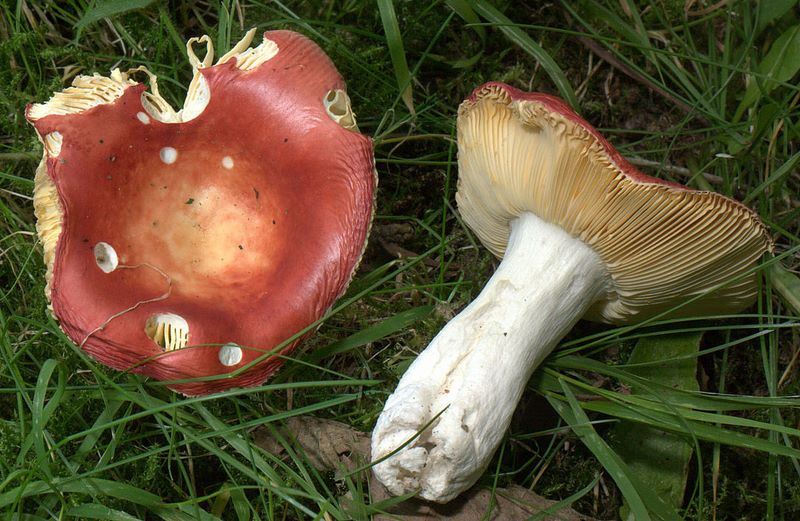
x: 480, y: 362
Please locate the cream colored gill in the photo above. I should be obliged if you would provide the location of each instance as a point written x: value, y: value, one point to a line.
x: 337, y: 106
x: 198, y: 94
x: 86, y: 92
x: 49, y: 215
x: 168, y: 330
x: 662, y: 245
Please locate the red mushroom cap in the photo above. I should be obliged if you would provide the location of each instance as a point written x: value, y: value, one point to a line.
x: 234, y: 227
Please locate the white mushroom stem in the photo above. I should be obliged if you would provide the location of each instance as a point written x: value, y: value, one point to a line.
x: 478, y: 365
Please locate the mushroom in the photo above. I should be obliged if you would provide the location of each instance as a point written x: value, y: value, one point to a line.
x: 205, y: 241
x: 581, y: 234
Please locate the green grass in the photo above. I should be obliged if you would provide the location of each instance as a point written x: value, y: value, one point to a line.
x: 708, y: 96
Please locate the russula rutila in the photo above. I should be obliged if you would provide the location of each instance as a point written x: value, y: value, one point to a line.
x: 581, y: 233
x: 188, y: 244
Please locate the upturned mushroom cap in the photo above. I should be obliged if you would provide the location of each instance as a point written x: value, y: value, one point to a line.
x: 663, y: 244
x: 188, y: 244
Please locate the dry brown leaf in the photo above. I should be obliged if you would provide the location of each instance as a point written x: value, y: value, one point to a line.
x: 335, y: 446
x: 329, y: 445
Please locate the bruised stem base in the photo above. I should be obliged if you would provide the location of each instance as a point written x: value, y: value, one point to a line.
x: 476, y: 368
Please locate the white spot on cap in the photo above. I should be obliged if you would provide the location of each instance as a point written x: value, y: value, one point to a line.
x: 230, y: 354
x: 144, y: 118
x: 106, y: 257
x: 227, y: 162
x: 168, y: 155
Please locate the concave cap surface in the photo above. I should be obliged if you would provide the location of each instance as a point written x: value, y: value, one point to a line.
x: 191, y: 243
x: 663, y: 244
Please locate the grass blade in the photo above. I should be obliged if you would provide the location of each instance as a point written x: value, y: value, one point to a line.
x: 784, y: 169
x: 552, y: 511
x: 779, y: 65
x: 769, y: 12
x: 41, y: 412
x: 463, y: 9
x: 394, y: 41
x: 375, y: 332
x: 224, y: 28
x: 109, y: 9
x: 571, y: 412
x: 787, y: 284
x: 526, y: 43
x: 98, y: 511
x: 662, y: 412
x: 90, y: 486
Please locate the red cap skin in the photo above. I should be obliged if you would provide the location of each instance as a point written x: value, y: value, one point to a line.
x: 249, y: 254
x: 559, y: 106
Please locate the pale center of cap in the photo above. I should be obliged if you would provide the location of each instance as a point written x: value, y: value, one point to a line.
x: 227, y: 162
x: 207, y: 229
